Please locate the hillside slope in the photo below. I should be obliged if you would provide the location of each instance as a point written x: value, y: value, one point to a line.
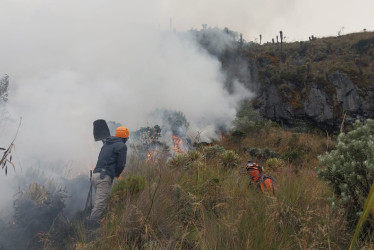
x: 310, y: 82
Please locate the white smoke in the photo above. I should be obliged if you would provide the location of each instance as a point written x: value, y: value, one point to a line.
x: 72, y: 63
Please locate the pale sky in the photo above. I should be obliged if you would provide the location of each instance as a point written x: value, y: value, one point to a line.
x: 298, y: 19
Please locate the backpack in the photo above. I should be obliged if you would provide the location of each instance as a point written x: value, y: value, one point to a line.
x: 266, y: 183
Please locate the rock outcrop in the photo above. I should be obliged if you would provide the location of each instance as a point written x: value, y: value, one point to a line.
x: 317, y: 82
x: 322, y: 106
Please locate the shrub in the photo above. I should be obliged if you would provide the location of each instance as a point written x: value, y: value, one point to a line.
x: 132, y: 184
x: 186, y: 160
x: 229, y: 159
x: 195, y: 155
x: 267, y: 153
x: 253, y: 151
x: 274, y: 163
x: 349, y: 169
x: 245, y: 116
x: 180, y: 160
x: 213, y: 151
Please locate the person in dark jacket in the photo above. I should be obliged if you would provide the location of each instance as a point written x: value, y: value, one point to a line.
x: 110, y: 164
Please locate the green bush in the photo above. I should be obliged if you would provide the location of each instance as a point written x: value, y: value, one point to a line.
x: 186, y: 161
x: 245, y: 116
x: 195, y: 155
x: 264, y: 153
x: 180, y: 160
x: 229, y: 159
x: 132, y: 184
x: 349, y: 169
x: 274, y: 163
x: 253, y: 151
x: 267, y: 153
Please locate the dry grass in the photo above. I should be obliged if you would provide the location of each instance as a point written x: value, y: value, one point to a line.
x: 206, y: 206
x: 305, y: 146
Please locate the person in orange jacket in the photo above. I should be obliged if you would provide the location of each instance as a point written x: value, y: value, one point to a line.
x: 263, y: 181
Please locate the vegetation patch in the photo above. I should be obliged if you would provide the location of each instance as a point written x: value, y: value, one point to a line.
x: 349, y: 168
x: 131, y: 185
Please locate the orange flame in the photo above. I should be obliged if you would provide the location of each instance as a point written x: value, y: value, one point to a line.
x: 149, y: 155
x: 178, y: 144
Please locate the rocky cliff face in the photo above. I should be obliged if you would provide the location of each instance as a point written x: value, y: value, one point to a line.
x: 323, y: 106
x: 317, y: 82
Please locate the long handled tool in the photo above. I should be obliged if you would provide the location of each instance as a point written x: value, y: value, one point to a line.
x: 100, y: 132
x: 89, y: 205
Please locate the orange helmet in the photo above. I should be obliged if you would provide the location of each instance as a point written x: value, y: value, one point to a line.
x: 122, y: 132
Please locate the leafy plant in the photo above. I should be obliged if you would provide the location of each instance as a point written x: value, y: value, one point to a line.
x: 195, y: 155
x: 132, y: 184
x: 245, y: 116
x: 229, y: 159
x: 178, y: 161
x: 264, y: 153
x: 274, y: 163
x: 186, y: 161
x: 349, y: 169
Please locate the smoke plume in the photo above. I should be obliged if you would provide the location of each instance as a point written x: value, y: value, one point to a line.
x: 72, y: 63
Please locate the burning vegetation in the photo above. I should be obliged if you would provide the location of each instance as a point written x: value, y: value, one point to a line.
x: 47, y: 213
x: 165, y: 140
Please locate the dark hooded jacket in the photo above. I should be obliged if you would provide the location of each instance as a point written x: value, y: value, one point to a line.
x: 112, y: 157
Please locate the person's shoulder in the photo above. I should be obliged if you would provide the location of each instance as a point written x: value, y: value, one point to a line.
x: 121, y: 144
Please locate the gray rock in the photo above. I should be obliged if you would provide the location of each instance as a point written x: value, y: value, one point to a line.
x: 316, y: 106
x: 346, y: 91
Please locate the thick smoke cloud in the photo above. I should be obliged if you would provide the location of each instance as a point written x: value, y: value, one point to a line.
x: 71, y: 63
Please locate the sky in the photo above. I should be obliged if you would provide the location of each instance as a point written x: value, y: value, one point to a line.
x: 72, y: 62
x: 298, y: 19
